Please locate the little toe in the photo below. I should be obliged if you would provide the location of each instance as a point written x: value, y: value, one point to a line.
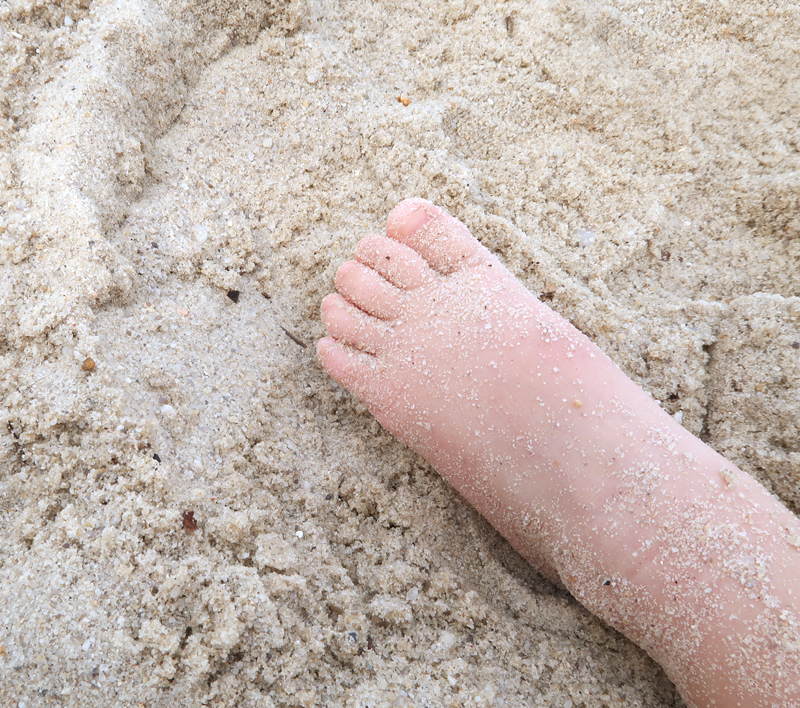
x: 368, y: 291
x: 356, y: 370
x: 442, y: 240
x: 349, y: 325
x: 402, y: 266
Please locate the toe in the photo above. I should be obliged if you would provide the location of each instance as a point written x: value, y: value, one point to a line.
x: 356, y: 370
x: 402, y: 266
x: 368, y: 291
x: 341, y: 362
x: 442, y: 240
x: 350, y: 326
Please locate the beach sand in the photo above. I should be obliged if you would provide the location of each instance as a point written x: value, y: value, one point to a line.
x: 191, y: 512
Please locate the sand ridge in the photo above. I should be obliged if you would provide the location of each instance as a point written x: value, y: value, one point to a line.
x: 156, y: 156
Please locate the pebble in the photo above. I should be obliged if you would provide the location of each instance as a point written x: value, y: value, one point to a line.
x: 731, y: 480
x: 200, y: 233
x: 586, y: 237
x: 88, y: 364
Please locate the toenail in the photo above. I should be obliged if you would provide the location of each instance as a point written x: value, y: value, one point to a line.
x: 413, y: 222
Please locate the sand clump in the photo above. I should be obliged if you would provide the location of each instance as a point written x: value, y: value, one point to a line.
x: 155, y: 156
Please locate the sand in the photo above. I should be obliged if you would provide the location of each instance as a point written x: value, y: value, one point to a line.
x: 637, y: 165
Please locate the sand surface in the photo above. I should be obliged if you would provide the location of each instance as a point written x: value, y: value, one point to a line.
x: 635, y: 164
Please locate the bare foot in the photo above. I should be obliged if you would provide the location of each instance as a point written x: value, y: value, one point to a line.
x: 572, y: 462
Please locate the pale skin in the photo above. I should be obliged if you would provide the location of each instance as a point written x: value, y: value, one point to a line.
x: 582, y: 471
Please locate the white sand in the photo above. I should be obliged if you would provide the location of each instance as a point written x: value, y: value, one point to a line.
x: 154, y: 155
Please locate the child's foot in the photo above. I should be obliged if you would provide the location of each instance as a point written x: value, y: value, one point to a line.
x: 498, y: 392
x: 574, y: 464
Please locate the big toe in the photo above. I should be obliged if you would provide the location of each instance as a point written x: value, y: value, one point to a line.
x: 442, y: 240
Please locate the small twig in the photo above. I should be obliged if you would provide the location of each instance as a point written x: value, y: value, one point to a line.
x: 293, y: 338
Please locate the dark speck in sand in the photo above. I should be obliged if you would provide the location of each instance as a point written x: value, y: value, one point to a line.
x: 549, y: 295
x: 153, y: 245
x: 267, y: 295
x: 189, y: 522
x: 233, y: 295
x: 156, y: 457
x: 795, y: 345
